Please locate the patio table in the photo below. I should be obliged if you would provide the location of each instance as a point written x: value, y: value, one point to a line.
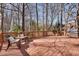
x: 21, y: 38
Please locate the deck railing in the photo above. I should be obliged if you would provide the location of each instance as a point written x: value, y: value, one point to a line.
x: 33, y: 34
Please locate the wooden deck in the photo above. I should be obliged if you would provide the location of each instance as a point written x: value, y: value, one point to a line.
x: 14, y: 50
x: 54, y: 46
x: 46, y: 46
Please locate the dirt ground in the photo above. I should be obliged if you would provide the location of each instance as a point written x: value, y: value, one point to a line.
x: 46, y: 46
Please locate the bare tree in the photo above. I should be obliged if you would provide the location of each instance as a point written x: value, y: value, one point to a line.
x: 18, y: 13
x: 37, y: 17
x: 2, y: 18
x: 30, y: 14
x: 61, y: 17
x: 43, y: 17
x: 78, y: 19
x: 46, y: 17
x: 23, y: 19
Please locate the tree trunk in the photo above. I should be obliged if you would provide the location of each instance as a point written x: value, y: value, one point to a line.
x: 78, y: 19
x: 43, y: 21
x: 61, y: 17
x: 37, y: 18
x: 46, y: 17
x: 18, y: 15
x: 2, y: 17
x: 23, y: 20
x: 11, y: 21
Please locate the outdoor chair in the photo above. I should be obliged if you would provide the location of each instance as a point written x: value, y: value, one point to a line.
x: 11, y: 40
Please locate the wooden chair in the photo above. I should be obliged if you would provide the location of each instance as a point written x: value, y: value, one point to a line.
x: 17, y: 42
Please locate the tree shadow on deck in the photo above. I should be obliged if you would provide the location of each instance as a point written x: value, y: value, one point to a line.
x: 77, y: 45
